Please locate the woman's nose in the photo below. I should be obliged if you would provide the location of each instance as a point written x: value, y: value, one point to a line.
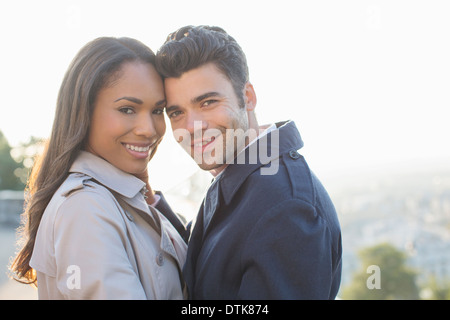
x: 145, y: 126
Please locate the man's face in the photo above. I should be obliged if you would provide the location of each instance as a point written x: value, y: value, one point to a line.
x: 206, y: 117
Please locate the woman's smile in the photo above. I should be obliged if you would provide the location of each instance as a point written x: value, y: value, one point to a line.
x: 139, y: 150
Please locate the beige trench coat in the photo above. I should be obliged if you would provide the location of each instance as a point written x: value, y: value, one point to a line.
x: 89, y: 246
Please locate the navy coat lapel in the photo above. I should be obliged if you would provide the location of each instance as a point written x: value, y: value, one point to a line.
x: 194, y: 246
x: 210, y: 205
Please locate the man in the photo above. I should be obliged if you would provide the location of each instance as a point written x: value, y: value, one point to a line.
x: 267, y: 228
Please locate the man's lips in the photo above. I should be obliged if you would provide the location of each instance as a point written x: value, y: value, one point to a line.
x: 203, y: 142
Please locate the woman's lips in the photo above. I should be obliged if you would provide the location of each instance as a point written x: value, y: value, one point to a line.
x: 139, y: 151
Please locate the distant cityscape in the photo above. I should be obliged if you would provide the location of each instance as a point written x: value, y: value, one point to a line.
x: 408, y: 208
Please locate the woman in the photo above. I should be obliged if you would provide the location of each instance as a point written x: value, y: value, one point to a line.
x: 91, y: 232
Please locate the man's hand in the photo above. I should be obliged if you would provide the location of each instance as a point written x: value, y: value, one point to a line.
x: 150, y: 194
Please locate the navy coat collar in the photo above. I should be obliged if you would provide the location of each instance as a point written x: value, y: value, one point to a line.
x: 282, y: 140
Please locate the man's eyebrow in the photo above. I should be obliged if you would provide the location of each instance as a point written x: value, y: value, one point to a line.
x: 205, y: 96
x: 132, y: 99
x: 172, y: 108
x: 195, y: 100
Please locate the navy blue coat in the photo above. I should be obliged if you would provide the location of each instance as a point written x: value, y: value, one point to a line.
x: 270, y: 236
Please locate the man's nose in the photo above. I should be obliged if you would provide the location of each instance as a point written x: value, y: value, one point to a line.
x: 195, y: 122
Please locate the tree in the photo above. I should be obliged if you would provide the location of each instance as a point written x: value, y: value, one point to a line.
x: 383, y: 275
x: 25, y: 154
x: 8, y: 180
x: 436, y: 290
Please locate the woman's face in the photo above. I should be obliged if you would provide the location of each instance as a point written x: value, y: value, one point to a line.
x: 128, y: 118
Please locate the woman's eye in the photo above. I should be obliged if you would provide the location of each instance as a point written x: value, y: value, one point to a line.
x: 158, y: 111
x: 126, y: 110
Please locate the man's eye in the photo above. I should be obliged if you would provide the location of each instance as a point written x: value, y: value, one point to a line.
x: 174, y: 114
x: 126, y: 110
x: 208, y: 103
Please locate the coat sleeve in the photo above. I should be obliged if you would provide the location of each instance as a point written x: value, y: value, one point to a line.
x: 288, y: 255
x: 91, y: 250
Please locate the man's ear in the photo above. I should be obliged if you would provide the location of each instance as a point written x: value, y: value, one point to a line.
x: 250, y: 105
x: 249, y: 97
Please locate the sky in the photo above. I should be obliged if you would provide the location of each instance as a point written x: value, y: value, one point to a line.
x: 367, y: 82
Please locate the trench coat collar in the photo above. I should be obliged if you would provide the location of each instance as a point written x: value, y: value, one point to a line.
x: 127, y: 186
x: 104, y: 172
x: 282, y: 140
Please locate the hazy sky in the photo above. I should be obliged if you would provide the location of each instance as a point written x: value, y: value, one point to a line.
x: 367, y: 82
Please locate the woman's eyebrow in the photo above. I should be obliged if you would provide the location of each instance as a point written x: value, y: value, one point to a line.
x: 131, y: 99
x: 161, y: 103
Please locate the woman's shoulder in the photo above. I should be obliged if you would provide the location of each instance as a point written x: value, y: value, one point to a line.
x: 77, y: 197
x: 77, y: 182
x: 79, y: 212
